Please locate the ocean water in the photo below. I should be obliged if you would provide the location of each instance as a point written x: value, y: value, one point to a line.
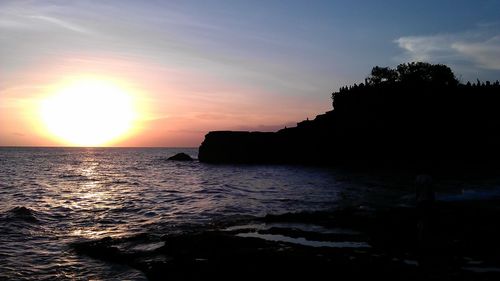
x: 52, y: 197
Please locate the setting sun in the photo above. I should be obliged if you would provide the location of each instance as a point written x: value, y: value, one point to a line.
x: 88, y: 112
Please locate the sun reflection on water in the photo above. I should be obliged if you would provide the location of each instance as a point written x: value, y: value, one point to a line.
x: 93, y: 198
x: 89, y: 233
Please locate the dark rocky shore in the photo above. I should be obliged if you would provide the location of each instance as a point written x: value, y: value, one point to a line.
x: 308, y: 143
x: 460, y: 243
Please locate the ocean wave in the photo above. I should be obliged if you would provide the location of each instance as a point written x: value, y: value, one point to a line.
x: 20, y: 213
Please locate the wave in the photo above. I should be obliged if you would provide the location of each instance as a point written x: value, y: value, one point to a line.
x: 20, y: 214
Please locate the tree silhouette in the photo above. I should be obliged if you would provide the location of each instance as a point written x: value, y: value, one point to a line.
x: 382, y: 74
x: 414, y: 73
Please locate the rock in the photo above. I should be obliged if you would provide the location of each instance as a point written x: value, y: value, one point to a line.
x: 181, y: 157
x: 239, y: 147
x: 461, y: 230
x: 308, y: 143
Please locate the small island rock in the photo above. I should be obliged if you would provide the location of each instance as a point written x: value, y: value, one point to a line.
x: 181, y: 157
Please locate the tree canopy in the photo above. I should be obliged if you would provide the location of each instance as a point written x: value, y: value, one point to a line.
x: 414, y: 73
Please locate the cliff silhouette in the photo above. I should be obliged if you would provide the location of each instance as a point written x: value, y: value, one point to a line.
x: 417, y: 115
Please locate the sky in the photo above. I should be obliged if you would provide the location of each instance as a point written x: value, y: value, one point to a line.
x: 198, y: 66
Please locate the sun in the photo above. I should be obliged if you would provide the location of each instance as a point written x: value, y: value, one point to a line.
x: 88, y: 112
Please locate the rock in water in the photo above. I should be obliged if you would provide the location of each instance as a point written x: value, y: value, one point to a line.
x: 181, y: 157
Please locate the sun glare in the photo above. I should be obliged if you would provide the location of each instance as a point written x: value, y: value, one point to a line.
x: 88, y: 112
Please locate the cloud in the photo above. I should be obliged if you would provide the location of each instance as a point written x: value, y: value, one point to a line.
x: 423, y: 48
x: 23, y: 16
x: 60, y: 23
x: 485, y: 54
x: 479, y: 49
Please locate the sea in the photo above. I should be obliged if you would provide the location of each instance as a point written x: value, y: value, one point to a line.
x: 51, y: 198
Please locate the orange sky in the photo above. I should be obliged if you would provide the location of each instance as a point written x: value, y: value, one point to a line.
x: 196, y: 66
x: 177, y: 107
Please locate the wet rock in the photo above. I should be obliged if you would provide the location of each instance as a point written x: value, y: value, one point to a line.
x: 244, y: 251
x: 224, y: 256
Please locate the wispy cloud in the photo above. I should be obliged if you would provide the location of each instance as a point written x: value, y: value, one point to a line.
x: 485, y: 54
x: 478, y: 48
x: 423, y: 48
x: 60, y: 23
x: 16, y: 16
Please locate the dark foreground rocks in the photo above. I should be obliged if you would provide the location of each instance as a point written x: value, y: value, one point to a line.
x: 180, y: 157
x: 460, y: 242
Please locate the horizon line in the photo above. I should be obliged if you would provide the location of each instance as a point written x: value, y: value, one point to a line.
x: 48, y: 146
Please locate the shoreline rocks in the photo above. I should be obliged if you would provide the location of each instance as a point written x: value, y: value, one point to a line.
x: 464, y: 237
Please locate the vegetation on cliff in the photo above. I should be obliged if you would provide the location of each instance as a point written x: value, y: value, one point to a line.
x: 417, y: 115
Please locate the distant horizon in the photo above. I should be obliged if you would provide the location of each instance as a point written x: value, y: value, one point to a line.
x: 177, y: 147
